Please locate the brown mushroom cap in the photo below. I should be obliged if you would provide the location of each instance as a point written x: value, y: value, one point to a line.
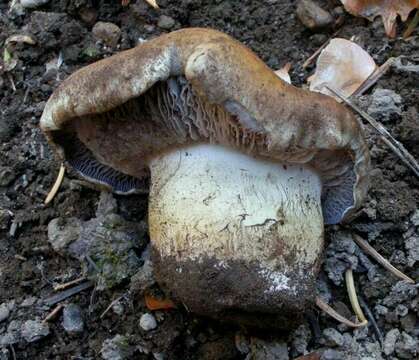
x: 109, y: 119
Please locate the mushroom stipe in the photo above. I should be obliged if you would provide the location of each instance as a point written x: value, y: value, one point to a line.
x: 243, y: 168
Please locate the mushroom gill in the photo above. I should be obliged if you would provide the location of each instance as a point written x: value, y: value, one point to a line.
x: 243, y: 168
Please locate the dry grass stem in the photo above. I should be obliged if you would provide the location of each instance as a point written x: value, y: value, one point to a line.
x: 350, y: 287
x: 335, y: 315
x: 374, y: 77
x: 53, y: 313
x: 56, y: 186
x: 388, y: 139
x: 68, y: 284
x: 380, y: 259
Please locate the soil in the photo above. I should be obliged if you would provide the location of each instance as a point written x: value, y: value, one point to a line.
x: 28, y: 264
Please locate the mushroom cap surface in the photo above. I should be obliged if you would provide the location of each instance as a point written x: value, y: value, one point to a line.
x: 238, y: 102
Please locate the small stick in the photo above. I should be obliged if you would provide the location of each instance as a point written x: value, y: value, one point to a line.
x: 350, y: 287
x: 371, y: 320
x: 13, y: 351
x: 110, y: 305
x: 53, y: 313
x: 20, y: 257
x: 374, y: 77
x: 380, y: 259
x: 68, y: 293
x: 391, y: 142
x: 335, y: 315
x: 317, y: 52
x: 68, y: 284
x: 57, y: 185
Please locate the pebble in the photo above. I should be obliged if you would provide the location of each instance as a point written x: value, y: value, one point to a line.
x: 108, y: 32
x: 13, y: 333
x: 165, y: 22
x: 73, y: 319
x: 4, y: 311
x: 412, y: 247
x: 34, y: 330
x: 29, y: 301
x: 62, y: 232
x: 331, y: 354
x: 118, y: 308
x: 384, y: 104
x: 406, y: 347
x: 301, y: 338
x: 390, y: 341
x: 7, y: 176
x: 313, y: 16
x: 263, y: 350
x: 332, y: 337
x: 116, y: 348
x: 148, y: 322
x: 32, y: 4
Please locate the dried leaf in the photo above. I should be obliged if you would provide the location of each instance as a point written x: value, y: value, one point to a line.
x: 8, y: 61
x: 283, y: 73
x: 153, y: 303
x: 153, y: 3
x: 20, y: 39
x: 342, y: 65
x: 387, y: 9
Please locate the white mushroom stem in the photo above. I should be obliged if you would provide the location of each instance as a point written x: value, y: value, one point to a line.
x: 210, y: 202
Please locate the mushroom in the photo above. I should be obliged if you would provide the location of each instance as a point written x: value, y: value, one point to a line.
x: 244, y: 169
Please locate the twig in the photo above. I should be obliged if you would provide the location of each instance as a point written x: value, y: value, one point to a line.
x: 57, y: 185
x: 68, y: 293
x: 380, y: 259
x: 335, y: 315
x: 317, y: 52
x: 13, y: 351
x: 350, y: 287
x: 68, y: 284
x: 391, y: 142
x: 10, y: 77
x: 53, y: 313
x: 111, y: 304
x: 374, y: 77
x: 371, y: 320
x: 411, y: 27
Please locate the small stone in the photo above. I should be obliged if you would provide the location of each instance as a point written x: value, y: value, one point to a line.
x: 7, y: 176
x: 415, y: 218
x: 412, y: 247
x: 62, y: 232
x: 165, y: 22
x: 385, y: 103
x: 406, y: 347
x: 5, y: 217
x: 13, y: 333
x: 117, y: 348
x: 313, y: 16
x: 88, y: 15
x: 29, y: 301
x: 107, y: 32
x: 330, y: 354
x: 390, y: 341
x: 4, y: 311
x: 148, y: 322
x: 263, y: 350
x: 33, y: 330
x: 301, y: 338
x: 401, y: 310
x: 332, y: 337
x: 118, y: 308
x: 73, y: 319
x: 32, y: 4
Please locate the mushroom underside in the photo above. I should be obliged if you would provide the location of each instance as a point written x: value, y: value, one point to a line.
x: 115, y: 148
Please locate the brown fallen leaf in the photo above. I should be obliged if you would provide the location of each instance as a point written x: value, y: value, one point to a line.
x: 154, y: 303
x: 343, y: 65
x: 387, y: 9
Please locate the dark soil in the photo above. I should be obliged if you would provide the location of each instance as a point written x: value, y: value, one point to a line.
x: 29, y: 266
